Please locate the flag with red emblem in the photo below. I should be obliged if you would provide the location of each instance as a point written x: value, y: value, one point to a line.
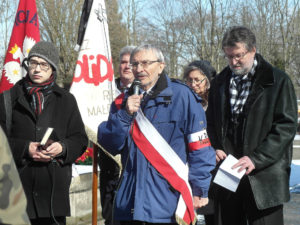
x: 24, y: 35
x: 93, y: 82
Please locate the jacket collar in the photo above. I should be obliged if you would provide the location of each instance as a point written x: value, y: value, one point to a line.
x: 264, y: 77
x: 20, y: 87
x: 22, y: 98
x: 58, y: 90
x: 264, y: 72
x: 162, y: 86
x: 161, y: 92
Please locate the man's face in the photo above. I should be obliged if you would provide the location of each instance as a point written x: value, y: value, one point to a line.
x: 240, y: 60
x: 39, y: 70
x: 148, y: 68
x: 125, y: 70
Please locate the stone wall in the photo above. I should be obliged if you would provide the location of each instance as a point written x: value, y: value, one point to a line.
x: 81, y: 200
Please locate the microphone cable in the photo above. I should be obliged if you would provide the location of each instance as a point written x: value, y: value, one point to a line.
x: 53, y: 164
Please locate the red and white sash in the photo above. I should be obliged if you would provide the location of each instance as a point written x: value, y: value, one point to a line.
x: 165, y: 160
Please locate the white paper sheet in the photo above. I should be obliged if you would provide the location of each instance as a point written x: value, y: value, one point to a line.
x: 227, y: 177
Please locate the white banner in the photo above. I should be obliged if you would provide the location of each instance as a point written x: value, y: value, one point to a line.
x: 93, y: 83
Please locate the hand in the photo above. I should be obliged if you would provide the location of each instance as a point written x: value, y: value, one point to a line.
x: 133, y: 103
x: 220, y: 155
x: 36, y: 154
x: 244, y: 163
x: 52, y: 150
x: 199, y: 202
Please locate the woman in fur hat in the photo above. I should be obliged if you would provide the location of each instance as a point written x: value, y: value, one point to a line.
x: 198, y: 75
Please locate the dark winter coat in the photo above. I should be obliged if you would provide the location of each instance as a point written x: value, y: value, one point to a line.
x: 270, y: 122
x: 38, y: 178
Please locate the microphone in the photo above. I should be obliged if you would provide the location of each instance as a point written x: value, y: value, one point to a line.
x: 136, y: 86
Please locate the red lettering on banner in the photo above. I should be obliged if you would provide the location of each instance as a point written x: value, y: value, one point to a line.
x: 96, y: 77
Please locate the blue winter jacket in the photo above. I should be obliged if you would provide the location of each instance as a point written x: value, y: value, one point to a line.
x: 144, y: 194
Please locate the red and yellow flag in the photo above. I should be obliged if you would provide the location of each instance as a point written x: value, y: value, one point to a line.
x: 24, y: 35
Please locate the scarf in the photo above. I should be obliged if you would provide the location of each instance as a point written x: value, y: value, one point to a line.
x: 239, y: 90
x: 37, y: 92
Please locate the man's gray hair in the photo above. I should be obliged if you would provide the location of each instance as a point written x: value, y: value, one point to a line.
x: 147, y: 47
x: 126, y: 50
x: 240, y: 34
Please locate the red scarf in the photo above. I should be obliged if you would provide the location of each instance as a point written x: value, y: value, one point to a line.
x: 38, y: 92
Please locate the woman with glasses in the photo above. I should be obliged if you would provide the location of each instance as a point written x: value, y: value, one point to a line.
x: 198, y: 75
x: 37, y: 103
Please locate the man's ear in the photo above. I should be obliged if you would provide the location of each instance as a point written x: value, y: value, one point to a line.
x: 161, y: 67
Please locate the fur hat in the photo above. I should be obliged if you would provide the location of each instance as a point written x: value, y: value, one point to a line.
x: 47, y: 51
x: 205, y: 67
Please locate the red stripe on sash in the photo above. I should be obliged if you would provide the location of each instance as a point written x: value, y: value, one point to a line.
x: 199, y: 144
x: 162, y: 166
x: 187, y: 218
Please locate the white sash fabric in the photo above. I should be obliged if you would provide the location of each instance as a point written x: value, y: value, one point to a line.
x: 167, y: 162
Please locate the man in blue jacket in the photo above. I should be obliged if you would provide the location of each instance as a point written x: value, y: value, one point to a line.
x: 166, y: 153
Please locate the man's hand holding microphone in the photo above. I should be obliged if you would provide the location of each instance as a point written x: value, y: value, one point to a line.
x: 134, y: 101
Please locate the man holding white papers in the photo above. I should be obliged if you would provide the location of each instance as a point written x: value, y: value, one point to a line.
x: 166, y: 153
x: 252, y: 114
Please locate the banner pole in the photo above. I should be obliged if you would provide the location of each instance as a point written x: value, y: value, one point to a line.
x: 95, y: 185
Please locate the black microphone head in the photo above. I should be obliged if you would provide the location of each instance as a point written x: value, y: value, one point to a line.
x: 136, y: 82
x: 136, y: 86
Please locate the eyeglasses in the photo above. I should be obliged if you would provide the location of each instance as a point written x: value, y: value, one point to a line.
x: 144, y: 64
x: 196, y: 81
x: 43, y: 65
x: 236, y: 57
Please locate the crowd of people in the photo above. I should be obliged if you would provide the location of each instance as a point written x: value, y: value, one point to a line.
x: 172, y: 136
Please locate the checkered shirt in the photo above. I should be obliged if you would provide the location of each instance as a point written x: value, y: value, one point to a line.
x: 239, y: 90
